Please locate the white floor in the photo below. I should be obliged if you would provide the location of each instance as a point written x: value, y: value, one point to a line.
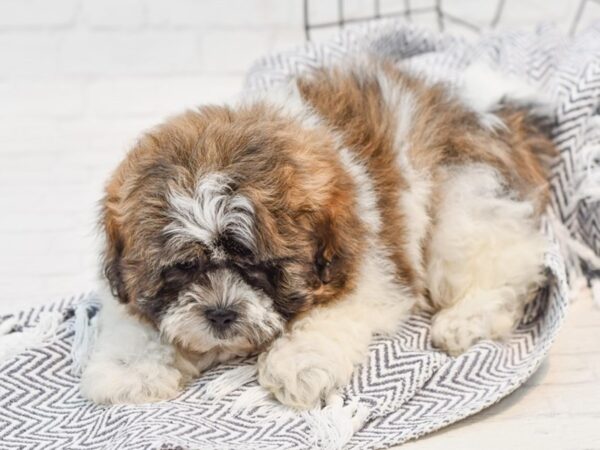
x: 558, y: 407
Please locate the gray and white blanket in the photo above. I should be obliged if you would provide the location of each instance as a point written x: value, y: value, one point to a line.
x: 406, y: 388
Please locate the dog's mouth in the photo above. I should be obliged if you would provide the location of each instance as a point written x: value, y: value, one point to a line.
x: 226, y: 336
x: 202, y: 320
x: 256, y: 335
x: 242, y: 337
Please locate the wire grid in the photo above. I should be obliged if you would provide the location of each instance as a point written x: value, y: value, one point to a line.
x: 442, y: 16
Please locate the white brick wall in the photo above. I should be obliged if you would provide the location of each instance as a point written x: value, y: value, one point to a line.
x: 32, y: 14
x: 114, y: 14
x: 141, y: 37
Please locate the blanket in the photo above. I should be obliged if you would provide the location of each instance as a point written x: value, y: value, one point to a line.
x: 406, y: 388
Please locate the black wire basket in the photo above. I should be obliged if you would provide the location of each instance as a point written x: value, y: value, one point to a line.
x: 436, y: 10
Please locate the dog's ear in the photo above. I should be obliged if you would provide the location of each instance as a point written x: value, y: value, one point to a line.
x: 330, y: 254
x: 323, y: 267
x: 338, y: 241
x: 113, y: 252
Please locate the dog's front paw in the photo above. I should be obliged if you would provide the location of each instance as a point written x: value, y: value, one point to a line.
x: 299, y: 374
x: 116, y: 381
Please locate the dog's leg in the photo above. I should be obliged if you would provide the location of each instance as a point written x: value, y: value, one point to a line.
x: 485, y: 259
x: 321, y: 349
x: 130, y: 363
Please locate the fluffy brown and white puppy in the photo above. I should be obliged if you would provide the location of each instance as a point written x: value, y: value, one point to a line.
x: 301, y: 223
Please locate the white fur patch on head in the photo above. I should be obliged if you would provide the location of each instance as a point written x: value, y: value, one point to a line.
x: 212, y: 210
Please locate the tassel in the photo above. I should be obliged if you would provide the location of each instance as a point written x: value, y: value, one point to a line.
x: 253, y: 397
x: 333, y: 426
x: 261, y: 404
x: 575, y: 252
x: 588, y: 169
x: 9, y: 325
x: 14, y: 342
x: 86, y: 331
x: 230, y: 381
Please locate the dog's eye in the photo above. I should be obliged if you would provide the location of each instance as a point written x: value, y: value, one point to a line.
x: 264, y: 277
x: 188, y: 266
x: 183, y: 271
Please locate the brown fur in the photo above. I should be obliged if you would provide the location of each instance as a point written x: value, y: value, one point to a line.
x: 354, y: 108
x: 304, y: 200
x: 443, y: 132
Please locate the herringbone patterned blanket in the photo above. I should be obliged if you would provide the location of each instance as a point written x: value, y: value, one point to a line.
x: 406, y: 388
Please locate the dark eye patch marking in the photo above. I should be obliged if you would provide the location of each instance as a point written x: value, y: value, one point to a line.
x: 290, y: 306
x: 184, y: 271
x: 265, y: 276
x: 187, y: 266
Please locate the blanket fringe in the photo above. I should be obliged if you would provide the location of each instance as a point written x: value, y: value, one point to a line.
x: 230, y: 381
x: 574, y: 251
x: 260, y: 403
x: 14, y: 341
x: 333, y: 426
x: 86, y: 332
x: 8, y: 325
x: 588, y: 187
x: 254, y: 397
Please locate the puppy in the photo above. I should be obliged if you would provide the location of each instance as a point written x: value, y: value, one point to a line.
x: 302, y: 222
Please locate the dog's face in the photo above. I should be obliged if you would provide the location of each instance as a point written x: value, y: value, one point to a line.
x: 222, y: 226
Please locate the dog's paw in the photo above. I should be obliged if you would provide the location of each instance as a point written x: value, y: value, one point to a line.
x: 116, y: 381
x: 455, y: 330
x: 455, y: 334
x: 301, y: 375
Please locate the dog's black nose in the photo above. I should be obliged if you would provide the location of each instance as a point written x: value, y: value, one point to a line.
x: 221, y: 318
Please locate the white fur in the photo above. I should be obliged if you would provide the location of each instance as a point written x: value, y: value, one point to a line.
x: 415, y: 199
x: 402, y: 103
x: 366, y: 197
x: 485, y: 259
x: 210, y: 211
x: 130, y: 363
x: 483, y: 88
